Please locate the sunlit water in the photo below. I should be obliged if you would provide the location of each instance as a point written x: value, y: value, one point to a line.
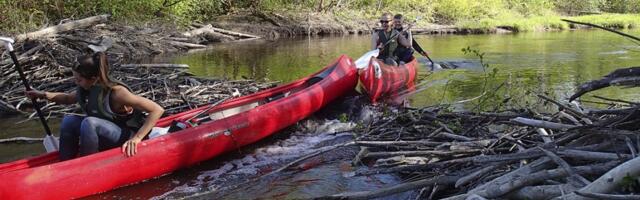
x: 550, y: 63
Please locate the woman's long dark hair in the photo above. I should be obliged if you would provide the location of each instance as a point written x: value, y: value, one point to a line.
x: 95, y: 65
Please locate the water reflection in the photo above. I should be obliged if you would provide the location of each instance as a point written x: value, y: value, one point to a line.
x: 539, y: 62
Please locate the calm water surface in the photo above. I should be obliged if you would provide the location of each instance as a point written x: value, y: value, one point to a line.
x: 551, y: 63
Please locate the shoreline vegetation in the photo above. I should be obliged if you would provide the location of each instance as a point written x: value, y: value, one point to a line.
x: 274, y: 19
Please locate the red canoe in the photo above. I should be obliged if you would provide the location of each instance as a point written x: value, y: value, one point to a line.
x: 380, y: 80
x: 248, y: 119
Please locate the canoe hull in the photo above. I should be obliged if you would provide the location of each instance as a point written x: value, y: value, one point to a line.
x: 380, y: 80
x: 44, y: 178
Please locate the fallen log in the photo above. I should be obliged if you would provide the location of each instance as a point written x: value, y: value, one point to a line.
x: 207, y: 30
x: 542, y: 124
x: 606, y: 81
x: 78, y: 24
x: 609, y: 181
x: 228, y: 32
x: 187, y: 45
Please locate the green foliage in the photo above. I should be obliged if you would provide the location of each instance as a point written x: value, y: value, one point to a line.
x: 575, y: 7
x: 530, y: 7
x: 621, y: 6
x: 522, y: 15
x: 452, y: 10
x: 490, y: 76
x: 344, y: 118
x: 629, y: 184
x: 611, y: 20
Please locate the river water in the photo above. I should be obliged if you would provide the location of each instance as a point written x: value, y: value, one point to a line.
x: 549, y: 63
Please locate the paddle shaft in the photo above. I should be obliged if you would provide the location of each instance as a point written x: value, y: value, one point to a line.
x: 28, y: 88
x: 211, y: 106
x: 419, y: 49
x: 394, y: 36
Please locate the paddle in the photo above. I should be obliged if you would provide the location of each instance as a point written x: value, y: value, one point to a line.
x: 50, y: 142
x: 420, y: 51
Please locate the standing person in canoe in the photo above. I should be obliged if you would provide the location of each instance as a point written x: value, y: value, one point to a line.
x: 114, y: 114
x: 405, y: 54
x: 386, y: 39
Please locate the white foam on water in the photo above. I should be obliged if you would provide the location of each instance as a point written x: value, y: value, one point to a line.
x: 275, y: 155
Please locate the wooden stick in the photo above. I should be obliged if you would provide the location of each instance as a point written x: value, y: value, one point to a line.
x: 555, y: 158
x: 542, y: 124
x: 420, y: 153
x: 21, y: 139
x: 616, y: 100
x: 571, y: 110
x: 475, y: 175
x: 603, y: 28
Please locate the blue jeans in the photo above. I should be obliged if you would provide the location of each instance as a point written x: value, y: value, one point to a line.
x: 80, y: 136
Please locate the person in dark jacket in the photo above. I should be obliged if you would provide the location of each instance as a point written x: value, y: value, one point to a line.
x: 114, y: 114
x: 405, y: 54
x: 386, y: 39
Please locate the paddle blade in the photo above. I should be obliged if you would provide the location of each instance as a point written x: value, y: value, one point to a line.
x: 363, y: 61
x: 51, y: 143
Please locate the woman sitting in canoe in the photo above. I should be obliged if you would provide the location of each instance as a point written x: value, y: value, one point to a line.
x: 114, y: 114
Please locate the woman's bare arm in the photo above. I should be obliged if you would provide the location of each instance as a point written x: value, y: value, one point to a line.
x: 124, y: 97
x: 58, y: 97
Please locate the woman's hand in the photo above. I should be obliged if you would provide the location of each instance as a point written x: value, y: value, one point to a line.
x: 130, y: 147
x: 35, y: 94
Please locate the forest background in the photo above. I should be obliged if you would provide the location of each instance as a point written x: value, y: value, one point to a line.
x: 517, y: 15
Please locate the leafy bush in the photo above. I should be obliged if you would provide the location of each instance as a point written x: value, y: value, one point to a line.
x: 27, y: 15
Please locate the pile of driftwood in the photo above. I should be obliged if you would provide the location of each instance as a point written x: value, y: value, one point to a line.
x: 47, y: 55
x: 569, y: 154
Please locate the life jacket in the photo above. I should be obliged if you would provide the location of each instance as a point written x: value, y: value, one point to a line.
x: 403, y: 53
x: 388, y: 50
x: 93, y: 103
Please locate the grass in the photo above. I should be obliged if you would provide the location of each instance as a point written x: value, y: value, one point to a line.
x: 551, y: 22
x: 478, y: 15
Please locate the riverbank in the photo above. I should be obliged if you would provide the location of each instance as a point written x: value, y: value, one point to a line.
x: 50, y: 50
x: 46, y: 56
x: 273, y: 25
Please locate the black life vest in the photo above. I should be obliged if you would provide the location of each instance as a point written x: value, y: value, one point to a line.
x: 388, y: 50
x: 92, y: 102
x: 403, y: 53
